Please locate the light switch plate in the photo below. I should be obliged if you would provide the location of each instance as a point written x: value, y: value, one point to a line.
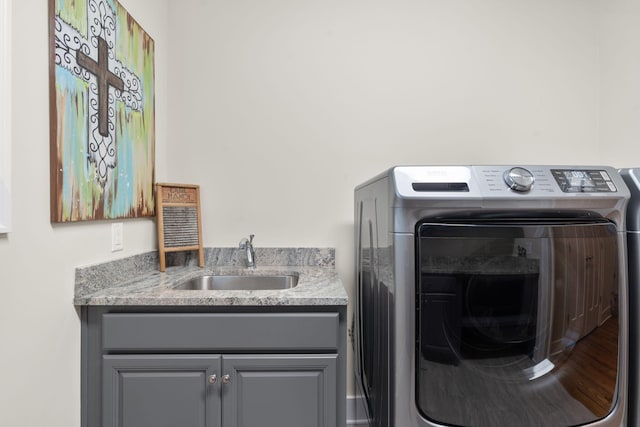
x: 117, y: 231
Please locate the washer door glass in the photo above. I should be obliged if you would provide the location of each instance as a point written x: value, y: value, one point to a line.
x: 516, y: 323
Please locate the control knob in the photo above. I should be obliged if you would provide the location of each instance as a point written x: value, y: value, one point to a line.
x: 519, y: 179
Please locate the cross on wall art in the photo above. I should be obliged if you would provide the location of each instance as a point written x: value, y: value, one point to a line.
x: 102, y: 112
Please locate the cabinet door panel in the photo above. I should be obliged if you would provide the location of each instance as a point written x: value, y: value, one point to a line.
x: 280, y: 390
x: 160, y: 391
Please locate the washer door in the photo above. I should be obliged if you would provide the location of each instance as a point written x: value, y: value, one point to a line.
x: 516, y: 322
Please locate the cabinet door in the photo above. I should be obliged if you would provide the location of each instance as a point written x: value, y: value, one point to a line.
x: 279, y: 390
x: 161, y: 391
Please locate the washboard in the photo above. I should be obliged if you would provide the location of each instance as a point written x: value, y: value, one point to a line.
x: 179, y: 225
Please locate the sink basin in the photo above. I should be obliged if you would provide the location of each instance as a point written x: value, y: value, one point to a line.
x: 239, y: 283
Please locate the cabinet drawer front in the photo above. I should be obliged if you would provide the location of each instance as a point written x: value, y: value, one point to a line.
x: 220, y: 331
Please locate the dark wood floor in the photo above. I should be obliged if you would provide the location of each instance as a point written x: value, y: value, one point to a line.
x: 589, y: 373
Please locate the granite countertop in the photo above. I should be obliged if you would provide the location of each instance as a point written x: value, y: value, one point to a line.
x: 138, y: 281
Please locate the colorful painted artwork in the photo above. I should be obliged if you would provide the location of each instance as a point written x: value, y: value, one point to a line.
x: 102, y: 113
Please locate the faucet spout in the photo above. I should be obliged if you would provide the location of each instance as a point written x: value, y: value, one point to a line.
x: 247, y: 246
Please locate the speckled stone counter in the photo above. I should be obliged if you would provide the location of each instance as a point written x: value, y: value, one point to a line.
x: 137, y: 280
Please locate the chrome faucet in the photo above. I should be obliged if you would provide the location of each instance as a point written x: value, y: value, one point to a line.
x: 247, y: 245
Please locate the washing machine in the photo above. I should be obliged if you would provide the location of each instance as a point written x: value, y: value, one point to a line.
x: 631, y: 177
x: 492, y: 296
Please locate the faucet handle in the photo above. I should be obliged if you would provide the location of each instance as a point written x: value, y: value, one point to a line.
x: 244, y: 241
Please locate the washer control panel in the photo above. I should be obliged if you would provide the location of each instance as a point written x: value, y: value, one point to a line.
x: 584, y: 181
x: 540, y: 180
x: 503, y: 181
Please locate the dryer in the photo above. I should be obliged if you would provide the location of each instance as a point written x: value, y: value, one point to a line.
x: 631, y: 177
x: 492, y: 296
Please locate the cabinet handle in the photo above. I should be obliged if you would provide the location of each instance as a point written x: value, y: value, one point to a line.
x: 226, y: 379
x: 212, y: 379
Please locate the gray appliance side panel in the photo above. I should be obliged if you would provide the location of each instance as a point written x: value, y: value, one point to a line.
x: 387, y: 287
x: 633, y: 254
x: 372, y: 207
x: 631, y: 178
x: 620, y: 413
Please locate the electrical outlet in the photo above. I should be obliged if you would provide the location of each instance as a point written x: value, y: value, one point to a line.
x: 117, y: 231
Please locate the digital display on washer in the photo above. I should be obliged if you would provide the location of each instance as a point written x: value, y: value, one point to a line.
x: 583, y: 181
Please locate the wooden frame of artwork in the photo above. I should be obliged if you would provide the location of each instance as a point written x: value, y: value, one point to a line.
x: 102, y: 118
x: 179, y: 224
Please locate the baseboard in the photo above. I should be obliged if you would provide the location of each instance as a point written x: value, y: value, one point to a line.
x: 356, y: 412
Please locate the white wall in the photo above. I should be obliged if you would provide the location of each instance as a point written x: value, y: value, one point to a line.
x: 39, y: 326
x: 620, y: 82
x: 278, y: 109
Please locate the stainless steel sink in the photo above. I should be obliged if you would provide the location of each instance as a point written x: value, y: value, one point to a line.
x: 239, y: 283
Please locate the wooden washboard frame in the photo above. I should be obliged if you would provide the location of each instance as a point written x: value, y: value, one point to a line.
x: 179, y: 224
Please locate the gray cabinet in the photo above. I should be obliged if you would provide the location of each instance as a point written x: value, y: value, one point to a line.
x: 206, y: 367
x: 150, y: 390
x: 283, y: 390
x: 254, y: 391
